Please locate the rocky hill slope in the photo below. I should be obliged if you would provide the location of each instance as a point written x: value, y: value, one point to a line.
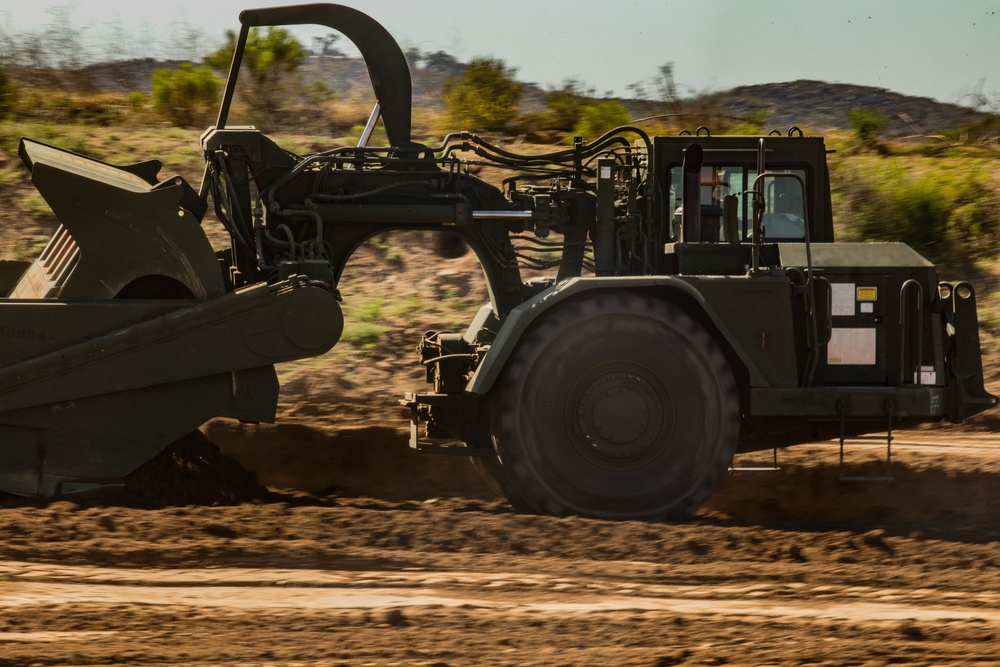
x: 816, y: 105
x: 821, y: 105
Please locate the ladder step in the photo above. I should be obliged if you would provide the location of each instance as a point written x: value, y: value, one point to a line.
x: 887, y: 477
x: 886, y: 439
x: 454, y: 450
x: 757, y: 469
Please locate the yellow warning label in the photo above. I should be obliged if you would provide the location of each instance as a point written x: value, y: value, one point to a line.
x: 867, y: 294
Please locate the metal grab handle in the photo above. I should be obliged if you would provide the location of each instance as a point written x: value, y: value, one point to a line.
x: 905, y: 317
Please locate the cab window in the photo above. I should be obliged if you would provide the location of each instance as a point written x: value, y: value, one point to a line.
x: 783, y: 219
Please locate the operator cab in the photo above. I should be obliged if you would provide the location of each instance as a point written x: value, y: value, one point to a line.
x: 784, y: 177
x: 730, y: 167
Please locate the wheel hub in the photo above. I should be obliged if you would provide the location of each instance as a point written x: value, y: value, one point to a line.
x: 622, y: 419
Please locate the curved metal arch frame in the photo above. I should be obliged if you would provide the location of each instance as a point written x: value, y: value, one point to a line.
x: 387, y: 66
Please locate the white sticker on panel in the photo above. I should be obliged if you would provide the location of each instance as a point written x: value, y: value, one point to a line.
x: 927, y: 375
x: 851, y: 347
x: 843, y: 299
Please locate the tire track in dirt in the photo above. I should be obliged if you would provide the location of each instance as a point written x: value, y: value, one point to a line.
x: 510, y: 592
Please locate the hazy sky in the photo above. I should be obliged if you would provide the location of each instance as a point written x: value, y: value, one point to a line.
x: 933, y: 48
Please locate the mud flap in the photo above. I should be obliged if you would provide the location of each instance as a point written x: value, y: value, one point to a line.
x: 971, y: 396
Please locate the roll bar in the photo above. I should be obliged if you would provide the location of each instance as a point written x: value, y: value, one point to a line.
x: 386, y: 63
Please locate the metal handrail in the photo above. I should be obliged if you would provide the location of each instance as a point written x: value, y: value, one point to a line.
x: 905, y: 317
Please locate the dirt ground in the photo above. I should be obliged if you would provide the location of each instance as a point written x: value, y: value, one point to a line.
x: 361, y: 552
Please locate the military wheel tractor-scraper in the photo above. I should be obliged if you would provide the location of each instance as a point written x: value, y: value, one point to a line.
x: 656, y: 303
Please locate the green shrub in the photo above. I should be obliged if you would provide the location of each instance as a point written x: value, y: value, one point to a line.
x: 184, y: 97
x: 867, y: 126
x: 565, y: 105
x: 751, y: 124
x: 974, y: 221
x: 320, y: 92
x: 267, y: 55
x: 485, y: 97
x: 8, y: 94
x: 137, y: 101
x: 596, y: 119
x: 370, y: 311
x: 29, y: 100
x: 944, y: 219
x: 363, y: 335
x: 986, y: 128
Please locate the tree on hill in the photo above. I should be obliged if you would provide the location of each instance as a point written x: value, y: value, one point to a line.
x: 441, y: 63
x: 271, y: 59
x: 326, y: 45
x: 485, y: 97
x: 186, y: 96
x: 867, y: 126
x: 596, y: 119
x: 566, y: 104
x: 660, y: 94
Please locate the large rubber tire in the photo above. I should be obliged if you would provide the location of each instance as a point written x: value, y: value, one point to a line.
x: 616, y: 405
